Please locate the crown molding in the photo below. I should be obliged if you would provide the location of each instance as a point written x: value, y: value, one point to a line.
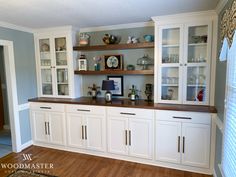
x: 221, y: 4
x: 15, y: 27
x: 54, y: 29
x: 119, y: 26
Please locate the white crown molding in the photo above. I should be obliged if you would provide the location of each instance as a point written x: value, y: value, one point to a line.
x: 15, y: 27
x: 221, y: 4
x: 54, y: 29
x: 119, y: 26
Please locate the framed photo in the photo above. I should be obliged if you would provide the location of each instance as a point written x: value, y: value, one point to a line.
x: 119, y: 87
x: 82, y: 64
x: 113, y: 62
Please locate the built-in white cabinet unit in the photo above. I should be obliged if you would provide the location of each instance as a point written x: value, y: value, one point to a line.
x: 86, y: 127
x: 130, y: 132
x: 183, y: 58
x: 183, y: 138
x: 48, y: 123
x: 55, y: 65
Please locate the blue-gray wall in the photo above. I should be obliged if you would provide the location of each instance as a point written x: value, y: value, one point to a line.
x: 220, y: 95
x: 23, y: 43
x: 130, y: 57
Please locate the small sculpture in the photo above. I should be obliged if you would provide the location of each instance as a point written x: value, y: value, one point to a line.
x: 94, y: 91
x: 84, y: 39
x: 110, y: 39
x: 132, y: 39
x: 133, y: 95
x: 148, y: 92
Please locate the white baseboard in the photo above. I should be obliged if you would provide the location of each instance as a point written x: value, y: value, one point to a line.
x: 26, y: 145
x: 214, y: 173
x: 6, y: 127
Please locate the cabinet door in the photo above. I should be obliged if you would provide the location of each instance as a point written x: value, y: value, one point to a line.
x: 39, y: 126
x: 168, y: 136
x: 196, y: 145
x: 75, y: 131
x: 170, y: 61
x: 117, y: 135
x: 141, y: 137
x: 197, y: 63
x: 56, y: 128
x: 95, y: 132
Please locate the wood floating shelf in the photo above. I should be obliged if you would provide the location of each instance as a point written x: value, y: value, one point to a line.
x: 113, y: 72
x: 115, y: 47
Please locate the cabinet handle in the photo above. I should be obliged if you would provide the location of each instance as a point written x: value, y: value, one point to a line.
x: 82, y: 132
x: 183, y: 144
x: 48, y: 129
x: 84, y: 110
x: 127, y: 113
x: 45, y: 126
x: 126, y: 140
x: 178, y: 143
x: 175, y: 117
x: 185, y: 64
x: 85, y: 129
x: 129, y: 137
x: 43, y: 107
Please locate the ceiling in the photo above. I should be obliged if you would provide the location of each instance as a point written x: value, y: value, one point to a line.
x: 91, y: 13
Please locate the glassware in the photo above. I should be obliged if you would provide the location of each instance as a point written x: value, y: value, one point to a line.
x: 145, y: 61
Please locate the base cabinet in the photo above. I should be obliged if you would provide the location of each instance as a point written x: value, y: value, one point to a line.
x: 130, y: 133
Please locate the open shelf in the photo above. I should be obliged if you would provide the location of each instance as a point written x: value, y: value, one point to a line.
x: 115, y: 47
x: 113, y: 72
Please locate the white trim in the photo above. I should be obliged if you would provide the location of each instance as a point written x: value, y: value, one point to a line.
x: 221, y: 4
x: 119, y: 26
x: 23, y: 107
x: 15, y: 27
x: 221, y: 171
x: 214, y: 173
x: 219, y: 124
x: 53, y: 30
x: 26, y: 145
x: 12, y: 94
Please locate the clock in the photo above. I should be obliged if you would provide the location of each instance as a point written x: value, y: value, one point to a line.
x: 113, y: 62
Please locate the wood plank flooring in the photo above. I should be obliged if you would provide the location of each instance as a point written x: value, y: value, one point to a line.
x: 69, y: 164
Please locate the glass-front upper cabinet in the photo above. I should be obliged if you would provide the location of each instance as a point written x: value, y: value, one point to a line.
x: 171, y: 56
x: 197, y: 67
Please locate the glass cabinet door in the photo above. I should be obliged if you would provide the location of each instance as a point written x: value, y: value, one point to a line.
x: 62, y: 81
x: 170, y: 62
x: 60, y: 50
x: 197, y: 64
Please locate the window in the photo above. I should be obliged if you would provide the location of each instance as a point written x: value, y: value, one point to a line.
x: 229, y: 143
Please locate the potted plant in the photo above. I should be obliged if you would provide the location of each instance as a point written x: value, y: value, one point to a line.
x: 133, y: 95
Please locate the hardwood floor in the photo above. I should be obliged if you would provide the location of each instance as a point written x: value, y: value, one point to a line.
x: 69, y: 164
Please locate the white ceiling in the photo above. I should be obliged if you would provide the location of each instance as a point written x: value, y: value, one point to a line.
x: 91, y: 13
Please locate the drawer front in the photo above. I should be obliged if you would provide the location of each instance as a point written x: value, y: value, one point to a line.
x: 130, y: 112
x: 182, y: 116
x: 48, y: 107
x: 86, y: 109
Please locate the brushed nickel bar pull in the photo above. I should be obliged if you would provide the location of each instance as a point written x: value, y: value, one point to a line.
x: 129, y: 137
x: 183, y: 144
x: 82, y: 132
x: 44, y: 107
x: 178, y: 143
x: 127, y: 113
x: 85, y: 129
x: 176, y: 117
x: 126, y: 140
x: 45, y: 126
x: 48, y: 129
x: 84, y: 110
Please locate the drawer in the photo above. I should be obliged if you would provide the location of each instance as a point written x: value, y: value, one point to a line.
x: 48, y: 107
x: 130, y: 112
x: 182, y: 116
x: 86, y: 109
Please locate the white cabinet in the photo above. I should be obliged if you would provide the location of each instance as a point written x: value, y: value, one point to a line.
x: 55, y: 65
x: 130, y: 132
x: 183, y: 138
x: 86, y: 127
x: 183, y: 57
x: 48, y: 125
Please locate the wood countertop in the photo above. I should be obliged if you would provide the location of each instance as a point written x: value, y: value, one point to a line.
x: 127, y: 103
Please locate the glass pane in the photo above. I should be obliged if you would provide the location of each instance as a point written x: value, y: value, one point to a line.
x: 170, y: 45
x: 45, y: 57
x: 62, y: 82
x: 196, y: 83
x: 46, y: 76
x: 60, y: 48
x: 197, y: 44
x: 170, y: 83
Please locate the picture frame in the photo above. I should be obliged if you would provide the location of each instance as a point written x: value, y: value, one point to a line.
x: 82, y: 64
x: 119, y: 85
x: 113, y: 62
